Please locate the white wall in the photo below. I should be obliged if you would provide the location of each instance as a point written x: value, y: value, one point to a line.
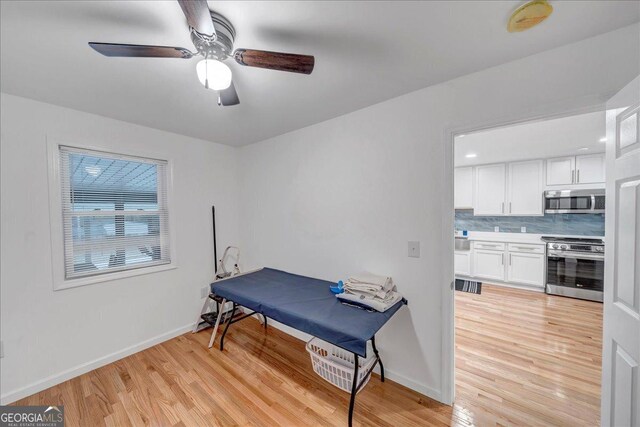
x: 327, y: 200
x: 347, y: 194
x: 50, y: 336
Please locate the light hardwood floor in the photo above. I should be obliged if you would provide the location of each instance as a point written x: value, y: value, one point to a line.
x: 522, y: 359
x: 525, y: 358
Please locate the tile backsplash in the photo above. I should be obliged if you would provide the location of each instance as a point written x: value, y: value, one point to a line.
x: 570, y: 224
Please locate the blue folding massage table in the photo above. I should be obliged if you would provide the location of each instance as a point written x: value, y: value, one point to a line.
x: 305, y: 304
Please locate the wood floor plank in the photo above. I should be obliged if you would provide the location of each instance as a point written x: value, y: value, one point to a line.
x: 522, y: 358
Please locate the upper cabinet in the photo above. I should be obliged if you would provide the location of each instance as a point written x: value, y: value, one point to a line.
x: 517, y: 188
x: 587, y: 169
x: 463, y: 188
x: 509, y: 189
x: 525, y: 187
x: 561, y: 171
x: 490, y: 188
x: 590, y: 169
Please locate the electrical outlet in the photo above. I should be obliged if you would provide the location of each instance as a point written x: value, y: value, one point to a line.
x: 523, y: 229
x: 496, y: 229
x: 204, y: 291
x: 414, y: 249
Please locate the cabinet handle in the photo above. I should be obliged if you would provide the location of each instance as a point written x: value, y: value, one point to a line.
x: 502, y: 258
x: 502, y: 207
x: 573, y: 174
x: 578, y: 177
x: 509, y: 207
x: 509, y: 259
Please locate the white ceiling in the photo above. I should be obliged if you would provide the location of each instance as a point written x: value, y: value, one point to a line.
x: 366, y: 52
x: 566, y: 136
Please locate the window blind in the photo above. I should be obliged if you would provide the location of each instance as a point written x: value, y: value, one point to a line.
x: 115, y: 213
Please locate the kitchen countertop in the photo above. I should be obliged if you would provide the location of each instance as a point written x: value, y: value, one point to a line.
x: 517, y: 237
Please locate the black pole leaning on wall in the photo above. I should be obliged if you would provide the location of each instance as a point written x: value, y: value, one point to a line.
x: 215, y: 244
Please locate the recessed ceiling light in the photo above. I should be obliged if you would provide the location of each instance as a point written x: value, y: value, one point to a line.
x: 471, y: 155
x: 461, y: 135
x: 603, y: 139
x: 583, y: 149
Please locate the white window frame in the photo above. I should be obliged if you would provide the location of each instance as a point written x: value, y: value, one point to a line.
x: 57, y: 225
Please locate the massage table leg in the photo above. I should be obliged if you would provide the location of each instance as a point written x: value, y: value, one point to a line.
x: 375, y: 351
x: 354, y: 388
x: 215, y: 328
x: 233, y: 313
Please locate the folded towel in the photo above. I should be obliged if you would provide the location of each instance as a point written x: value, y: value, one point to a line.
x: 362, y: 287
x: 372, y: 279
x: 378, y: 304
x: 369, y: 284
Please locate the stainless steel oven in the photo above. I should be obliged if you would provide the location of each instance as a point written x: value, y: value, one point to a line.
x: 574, y: 201
x: 575, y: 267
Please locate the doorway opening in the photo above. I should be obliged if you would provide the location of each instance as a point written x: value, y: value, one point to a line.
x: 529, y: 270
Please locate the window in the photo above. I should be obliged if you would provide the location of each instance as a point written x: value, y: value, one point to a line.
x: 114, y: 212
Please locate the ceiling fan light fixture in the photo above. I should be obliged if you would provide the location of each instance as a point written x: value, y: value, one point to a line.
x: 215, y: 73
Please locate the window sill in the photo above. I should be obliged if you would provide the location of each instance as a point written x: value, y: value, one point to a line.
x: 108, y: 277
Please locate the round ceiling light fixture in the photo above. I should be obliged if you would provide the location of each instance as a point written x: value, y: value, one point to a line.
x: 214, y: 74
x: 529, y: 15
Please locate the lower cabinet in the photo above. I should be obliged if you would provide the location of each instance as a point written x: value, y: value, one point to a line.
x: 488, y: 264
x: 526, y: 268
x: 509, y: 263
x: 462, y: 263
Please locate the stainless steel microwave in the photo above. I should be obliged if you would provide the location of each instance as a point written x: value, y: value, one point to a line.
x: 574, y: 201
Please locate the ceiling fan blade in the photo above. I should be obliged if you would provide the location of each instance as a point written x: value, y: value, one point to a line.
x: 228, y: 97
x: 137, y: 50
x: 275, y: 60
x: 198, y: 16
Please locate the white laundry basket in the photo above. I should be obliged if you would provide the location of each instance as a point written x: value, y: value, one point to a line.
x: 336, y: 365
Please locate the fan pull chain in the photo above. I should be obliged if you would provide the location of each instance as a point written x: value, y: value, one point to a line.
x: 206, y: 71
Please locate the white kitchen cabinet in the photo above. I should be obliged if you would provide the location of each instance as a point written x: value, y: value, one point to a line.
x: 509, y: 189
x: 488, y: 264
x: 585, y: 169
x: 463, y: 188
x: 525, y: 187
x: 462, y: 263
x: 590, y: 169
x: 526, y: 268
x: 490, y: 186
x: 512, y: 263
x: 561, y: 171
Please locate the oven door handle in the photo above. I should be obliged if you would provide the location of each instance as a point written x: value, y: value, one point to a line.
x: 576, y: 255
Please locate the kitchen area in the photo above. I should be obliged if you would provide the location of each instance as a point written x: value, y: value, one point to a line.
x: 529, y: 268
x: 530, y: 206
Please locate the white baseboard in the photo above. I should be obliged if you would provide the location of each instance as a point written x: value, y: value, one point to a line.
x: 390, y: 374
x: 63, y: 376
x: 413, y: 385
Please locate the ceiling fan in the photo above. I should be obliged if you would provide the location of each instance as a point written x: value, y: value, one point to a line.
x: 212, y: 35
